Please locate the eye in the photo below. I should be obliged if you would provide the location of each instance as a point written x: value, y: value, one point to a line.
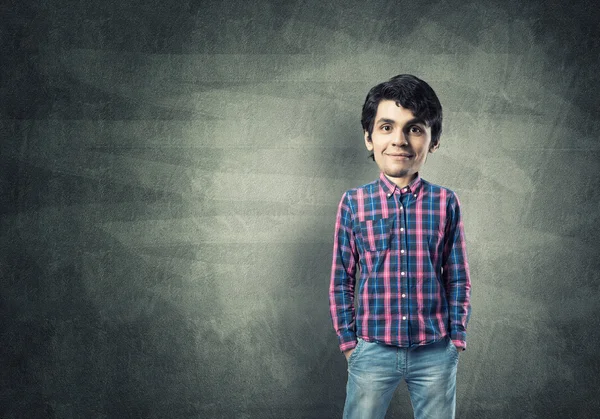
x: 415, y: 129
x: 386, y: 128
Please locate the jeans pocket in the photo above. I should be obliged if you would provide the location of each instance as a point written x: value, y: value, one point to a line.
x: 356, y: 351
x: 453, y: 349
x: 376, y: 234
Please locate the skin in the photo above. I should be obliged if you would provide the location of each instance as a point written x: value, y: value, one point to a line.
x: 400, y: 143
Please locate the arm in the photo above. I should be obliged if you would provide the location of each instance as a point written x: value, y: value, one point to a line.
x: 343, y: 276
x: 456, y: 275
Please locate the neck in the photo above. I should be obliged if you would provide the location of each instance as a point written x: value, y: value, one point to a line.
x: 401, y: 182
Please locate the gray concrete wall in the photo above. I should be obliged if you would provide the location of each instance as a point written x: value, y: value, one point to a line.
x: 170, y: 173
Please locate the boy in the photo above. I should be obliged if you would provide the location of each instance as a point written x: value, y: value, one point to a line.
x: 405, y: 315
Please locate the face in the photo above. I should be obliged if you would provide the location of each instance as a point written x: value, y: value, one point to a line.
x: 399, y: 142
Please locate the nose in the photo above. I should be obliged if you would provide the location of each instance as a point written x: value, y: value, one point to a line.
x: 400, y: 139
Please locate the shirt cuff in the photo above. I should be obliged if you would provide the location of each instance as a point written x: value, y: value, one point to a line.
x: 460, y: 344
x: 459, y: 338
x: 347, y: 341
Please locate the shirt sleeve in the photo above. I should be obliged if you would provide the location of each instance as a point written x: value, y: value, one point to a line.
x: 456, y: 274
x: 343, y: 277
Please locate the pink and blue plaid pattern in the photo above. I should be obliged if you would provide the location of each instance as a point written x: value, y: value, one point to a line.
x: 408, y: 245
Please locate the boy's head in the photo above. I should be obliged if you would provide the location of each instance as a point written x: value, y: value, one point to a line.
x: 402, y: 122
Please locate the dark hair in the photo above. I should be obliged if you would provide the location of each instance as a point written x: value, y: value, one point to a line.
x: 411, y: 93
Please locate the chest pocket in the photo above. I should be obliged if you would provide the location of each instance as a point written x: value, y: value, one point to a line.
x: 376, y: 234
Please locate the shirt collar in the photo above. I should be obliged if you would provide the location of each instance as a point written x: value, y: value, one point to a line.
x: 390, y: 187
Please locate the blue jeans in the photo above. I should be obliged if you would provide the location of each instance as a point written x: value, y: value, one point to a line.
x: 375, y: 370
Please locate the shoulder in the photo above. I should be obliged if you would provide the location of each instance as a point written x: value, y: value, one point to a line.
x: 355, y: 198
x: 441, y: 192
x: 366, y: 189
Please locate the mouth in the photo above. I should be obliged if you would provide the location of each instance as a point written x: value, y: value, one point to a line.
x: 400, y: 156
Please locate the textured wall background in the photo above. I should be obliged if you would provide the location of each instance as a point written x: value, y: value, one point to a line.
x: 170, y: 173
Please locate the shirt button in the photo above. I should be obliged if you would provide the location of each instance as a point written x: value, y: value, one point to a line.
x: 404, y: 190
x: 402, y: 273
x: 389, y: 195
x: 403, y: 295
x: 403, y: 317
x: 402, y: 251
x: 401, y: 208
x: 401, y: 228
x: 415, y: 195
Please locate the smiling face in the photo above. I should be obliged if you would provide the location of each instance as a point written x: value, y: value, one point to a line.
x: 399, y: 142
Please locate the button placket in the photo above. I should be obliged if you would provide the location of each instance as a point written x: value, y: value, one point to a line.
x: 403, y: 201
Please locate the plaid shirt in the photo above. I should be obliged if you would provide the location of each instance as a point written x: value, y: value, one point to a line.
x: 414, y: 287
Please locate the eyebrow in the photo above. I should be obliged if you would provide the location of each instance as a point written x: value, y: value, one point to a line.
x: 413, y: 121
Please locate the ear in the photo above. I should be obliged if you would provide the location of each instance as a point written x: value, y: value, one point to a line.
x: 432, y: 148
x: 368, y: 141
